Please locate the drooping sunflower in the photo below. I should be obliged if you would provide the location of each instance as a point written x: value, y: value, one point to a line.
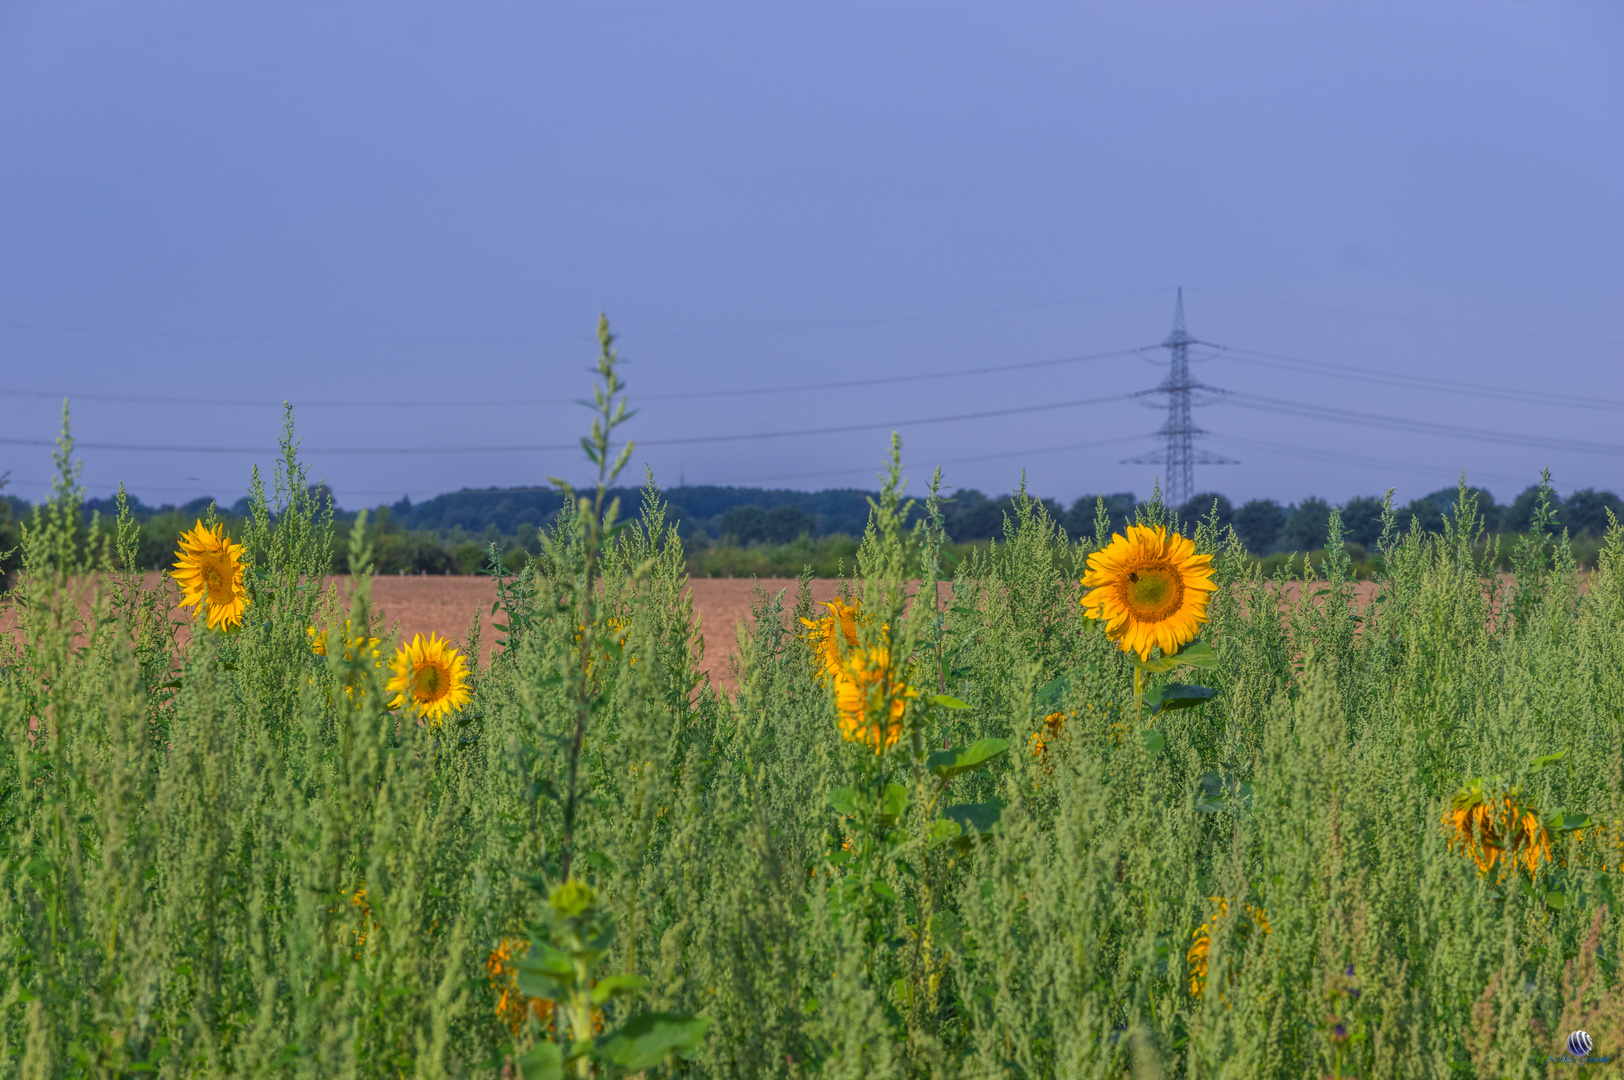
x: 1496, y: 826
x: 209, y: 571
x: 431, y: 676
x: 513, y: 1008
x: 828, y: 631
x: 863, y: 682
x: 1151, y: 589
x: 1197, y: 956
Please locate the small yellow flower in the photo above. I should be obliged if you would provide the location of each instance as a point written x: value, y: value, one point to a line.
x: 209, y: 571
x: 1150, y: 588
x: 1053, y: 725
x: 430, y: 676
x: 870, y: 698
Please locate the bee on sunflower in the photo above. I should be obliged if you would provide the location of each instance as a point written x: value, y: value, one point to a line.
x: 1150, y: 588
x: 209, y: 571
x: 430, y: 677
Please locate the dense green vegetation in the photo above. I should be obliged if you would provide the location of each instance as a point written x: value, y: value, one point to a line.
x: 233, y: 859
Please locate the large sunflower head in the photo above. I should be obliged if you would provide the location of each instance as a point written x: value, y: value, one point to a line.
x: 1150, y: 588
x: 430, y: 676
x: 209, y: 570
x: 863, y: 682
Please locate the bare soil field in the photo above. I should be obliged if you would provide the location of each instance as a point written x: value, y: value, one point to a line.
x: 448, y: 606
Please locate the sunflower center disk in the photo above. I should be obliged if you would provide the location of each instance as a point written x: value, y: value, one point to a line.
x: 428, y: 683
x: 1153, y: 593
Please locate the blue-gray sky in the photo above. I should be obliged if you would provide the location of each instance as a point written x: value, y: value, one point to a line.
x: 338, y: 204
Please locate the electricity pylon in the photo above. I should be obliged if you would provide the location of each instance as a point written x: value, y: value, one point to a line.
x: 1181, y: 457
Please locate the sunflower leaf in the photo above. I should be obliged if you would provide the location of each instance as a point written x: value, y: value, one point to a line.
x: 941, y: 831
x: 1196, y: 654
x: 892, y: 803
x: 844, y: 801
x: 947, y: 764
x: 1177, y: 696
x: 648, y: 1039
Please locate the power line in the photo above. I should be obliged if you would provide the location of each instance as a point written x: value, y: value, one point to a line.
x: 1417, y: 382
x: 1396, y: 423
x: 682, y: 395
x: 517, y: 338
x: 947, y: 461
x: 692, y: 440
x: 1284, y: 450
x: 1410, y: 319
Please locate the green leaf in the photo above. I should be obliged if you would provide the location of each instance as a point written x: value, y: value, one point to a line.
x: 844, y: 800
x: 946, y: 701
x: 648, y: 1039
x: 1052, y: 694
x: 1539, y: 763
x: 615, y: 985
x: 1223, y: 793
x: 600, y: 861
x: 1196, y: 654
x: 1155, y: 742
x: 544, y: 1062
x: 940, y: 832
x: 1555, y: 900
x: 893, y: 803
x: 947, y: 764
x: 883, y: 891
x: 536, y: 985
x: 982, y: 817
x: 1567, y: 821
x: 544, y: 959
x: 1177, y: 696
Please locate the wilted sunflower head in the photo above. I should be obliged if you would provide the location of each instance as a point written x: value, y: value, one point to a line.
x: 1150, y: 587
x: 430, y: 676
x: 209, y: 570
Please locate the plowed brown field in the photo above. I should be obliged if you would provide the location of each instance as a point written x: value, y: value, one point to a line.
x: 448, y: 606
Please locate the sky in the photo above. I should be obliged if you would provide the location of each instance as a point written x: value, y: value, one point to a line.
x: 1396, y: 226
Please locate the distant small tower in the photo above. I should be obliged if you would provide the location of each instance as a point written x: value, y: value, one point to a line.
x: 1180, y: 456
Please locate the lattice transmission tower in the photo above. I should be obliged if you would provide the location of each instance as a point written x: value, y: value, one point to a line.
x: 1180, y: 456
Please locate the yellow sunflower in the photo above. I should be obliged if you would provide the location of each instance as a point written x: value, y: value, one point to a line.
x: 829, y: 631
x: 1151, y: 589
x: 209, y: 571
x: 863, y: 682
x: 431, y: 675
x: 355, y: 649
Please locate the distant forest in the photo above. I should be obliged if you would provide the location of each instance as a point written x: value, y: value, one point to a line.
x: 452, y: 533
